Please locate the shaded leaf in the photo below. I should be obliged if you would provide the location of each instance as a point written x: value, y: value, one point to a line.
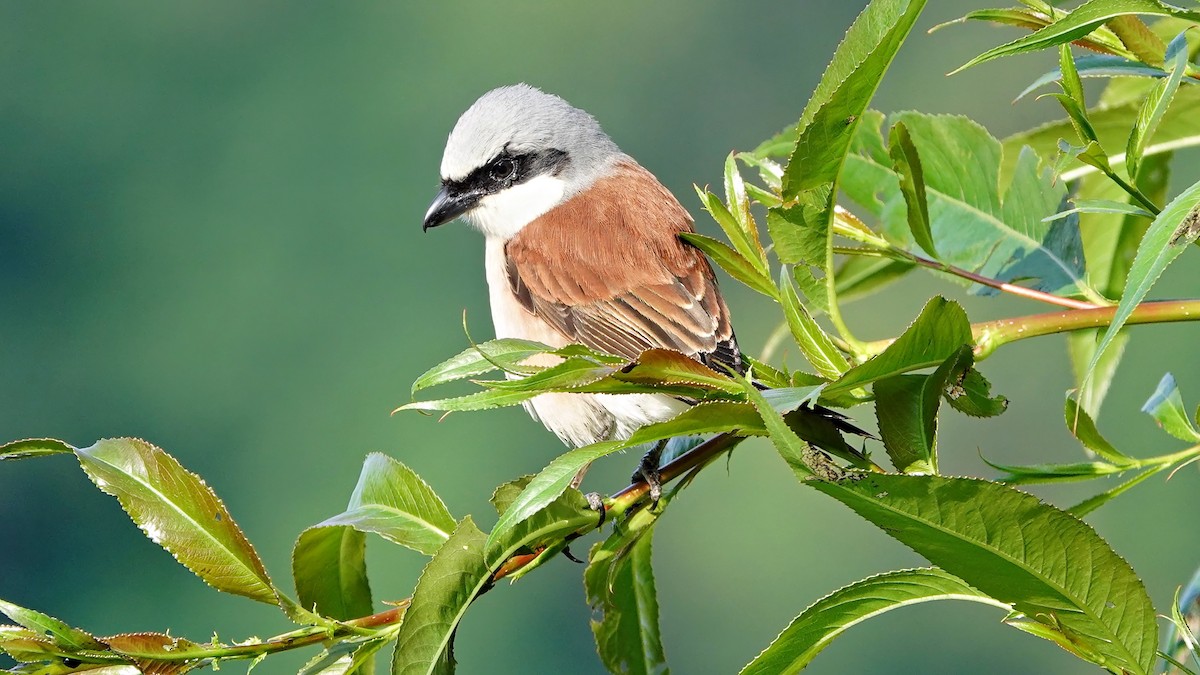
x: 972, y: 395
x: 1054, y: 473
x: 1100, y: 65
x: 1081, y: 426
x: 981, y: 224
x: 859, y: 276
x: 34, y: 447
x: 1051, y: 567
x: 450, y: 581
x: 330, y: 569
x: 1158, y: 249
x: 545, y: 532
x: 829, y: 617
x: 907, y: 407
x: 906, y: 162
x: 1165, y: 405
x: 177, y: 511
x: 936, y: 334
x: 619, y: 581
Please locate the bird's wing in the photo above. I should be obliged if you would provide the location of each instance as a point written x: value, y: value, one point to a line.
x: 607, y: 269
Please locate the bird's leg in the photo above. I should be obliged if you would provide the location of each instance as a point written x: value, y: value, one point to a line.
x: 648, y: 471
x: 594, y: 500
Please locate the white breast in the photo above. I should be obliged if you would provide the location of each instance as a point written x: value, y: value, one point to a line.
x: 577, y: 419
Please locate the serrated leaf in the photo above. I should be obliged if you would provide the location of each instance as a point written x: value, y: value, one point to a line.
x: 479, y: 359
x: 480, y: 400
x: 61, y: 634
x: 1051, y: 567
x: 737, y: 235
x: 392, y: 501
x: 34, y: 447
x: 1179, y: 128
x: 552, y: 481
x: 906, y: 162
x: 1165, y: 240
x: 823, y: 621
x: 1082, y: 427
x: 813, y: 342
x: 734, y: 264
x: 1081, y: 21
x: 827, y: 124
x: 993, y: 228
x: 448, y: 584
x: 1151, y: 113
x: 506, y: 493
x: 1102, y: 206
x: 179, y: 512
x: 1165, y: 405
x: 1096, y: 501
x: 621, y: 592
x: 1054, y: 473
x: 937, y: 333
x: 330, y: 570
x: 571, y: 373
x: 859, y: 276
x: 973, y: 396
x: 907, y: 407
x: 800, y: 232
x: 671, y: 367
x: 1099, y: 65
x: 344, y: 658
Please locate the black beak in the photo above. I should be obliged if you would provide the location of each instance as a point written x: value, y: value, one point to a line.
x: 448, y: 205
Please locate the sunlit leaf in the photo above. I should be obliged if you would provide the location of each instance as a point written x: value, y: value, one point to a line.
x: 829, y: 617
x: 177, y: 511
x: 906, y: 162
x: 479, y: 359
x: 1081, y: 21
x: 392, y: 501
x: 812, y: 340
x: 1051, y: 567
x: 1081, y: 426
x: 34, y: 447
x: 1054, y: 473
x: 1151, y: 112
x: 1165, y: 240
x: 1096, y: 501
x: 734, y: 264
x: 738, y: 236
x: 448, y: 584
x: 61, y: 634
x: 936, y: 334
x: 1165, y: 405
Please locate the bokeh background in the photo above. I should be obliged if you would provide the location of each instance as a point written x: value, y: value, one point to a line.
x: 210, y: 238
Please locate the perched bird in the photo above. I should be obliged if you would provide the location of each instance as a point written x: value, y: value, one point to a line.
x: 581, y: 246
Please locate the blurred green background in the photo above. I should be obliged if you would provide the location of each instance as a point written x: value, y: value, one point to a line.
x: 210, y: 238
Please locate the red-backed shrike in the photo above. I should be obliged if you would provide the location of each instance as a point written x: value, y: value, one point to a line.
x: 581, y: 247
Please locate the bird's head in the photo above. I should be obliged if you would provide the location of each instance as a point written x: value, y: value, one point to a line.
x: 516, y: 153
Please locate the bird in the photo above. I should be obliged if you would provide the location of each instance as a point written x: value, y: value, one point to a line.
x: 581, y: 246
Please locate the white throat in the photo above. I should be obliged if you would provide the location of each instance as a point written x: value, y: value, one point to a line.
x: 502, y: 215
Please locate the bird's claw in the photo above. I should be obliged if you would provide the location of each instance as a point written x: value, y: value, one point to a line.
x: 596, y: 503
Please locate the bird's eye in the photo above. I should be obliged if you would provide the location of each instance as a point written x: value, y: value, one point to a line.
x: 503, y: 169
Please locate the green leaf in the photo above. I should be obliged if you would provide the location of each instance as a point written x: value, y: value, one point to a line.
x: 800, y: 232
x: 1081, y: 426
x: 1179, y: 128
x: 480, y: 400
x: 972, y: 395
x: 479, y: 359
x: 827, y: 124
x: 732, y: 262
x: 546, y: 531
x: 793, y: 440
x: 812, y: 631
x: 907, y: 406
x: 906, y: 162
x: 1151, y: 113
x: 1054, y: 473
x: 448, y: 584
x: 936, y: 334
x: 1051, y: 567
x: 1165, y: 405
x: 1168, y: 236
x: 350, y: 657
x: 506, y: 493
x: 1096, y: 501
x: 1081, y: 21
x: 737, y: 235
x: 716, y: 417
x: 991, y: 227
x: 34, y: 447
x: 177, y: 511
x: 859, y: 276
x: 1102, y: 206
x: 812, y: 340
x: 62, y: 635
x: 1097, y: 66
x: 1138, y: 37
x: 392, y: 501
x: 739, y: 206
x: 330, y: 569
x: 1072, y: 86
x: 671, y: 367
x: 619, y: 581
